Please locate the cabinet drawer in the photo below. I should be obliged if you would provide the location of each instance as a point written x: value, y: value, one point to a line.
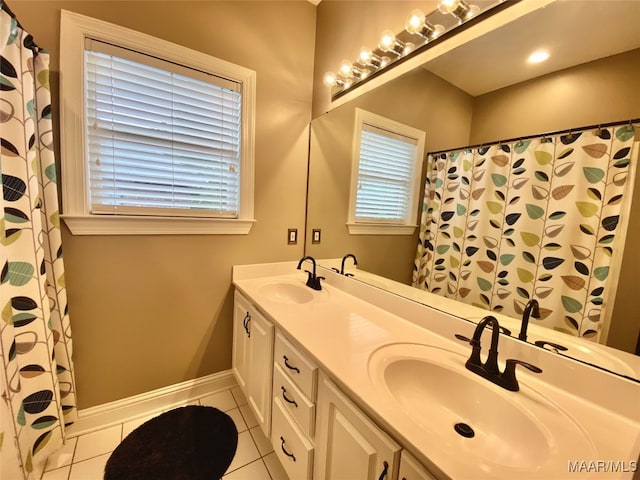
x: 411, y: 469
x: 293, y: 449
x: 302, y: 371
x: 294, y: 401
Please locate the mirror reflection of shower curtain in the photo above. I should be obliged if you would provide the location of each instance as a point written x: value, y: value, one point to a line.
x: 537, y: 218
x: 37, y: 382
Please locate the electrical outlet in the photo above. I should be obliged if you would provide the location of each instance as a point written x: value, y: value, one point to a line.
x: 315, y: 235
x: 292, y: 236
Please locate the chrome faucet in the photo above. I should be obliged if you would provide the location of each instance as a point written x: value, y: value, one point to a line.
x: 313, y: 281
x: 531, y: 309
x: 489, y: 369
x: 341, y: 271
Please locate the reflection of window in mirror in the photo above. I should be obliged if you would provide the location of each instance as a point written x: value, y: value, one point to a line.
x: 385, y: 176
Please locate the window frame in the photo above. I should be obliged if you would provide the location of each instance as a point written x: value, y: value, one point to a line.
x: 74, y: 29
x: 371, y: 227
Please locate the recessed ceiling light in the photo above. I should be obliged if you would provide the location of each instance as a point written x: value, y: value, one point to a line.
x: 538, y: 56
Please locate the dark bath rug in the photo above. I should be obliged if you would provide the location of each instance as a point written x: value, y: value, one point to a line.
x: 187, y: 443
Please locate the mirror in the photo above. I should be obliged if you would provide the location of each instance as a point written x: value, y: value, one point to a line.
x: 482, y: 92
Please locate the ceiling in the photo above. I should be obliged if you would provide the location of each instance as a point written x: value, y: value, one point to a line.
x: 572, y: 31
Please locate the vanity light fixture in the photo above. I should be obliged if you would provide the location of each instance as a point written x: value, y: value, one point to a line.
x: 458, y: 8
x: 420, y: 31
x: 538, y: 56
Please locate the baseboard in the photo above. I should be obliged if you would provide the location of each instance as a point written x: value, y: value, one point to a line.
x: 112, y: 413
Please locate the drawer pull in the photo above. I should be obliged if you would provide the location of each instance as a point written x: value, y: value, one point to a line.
x: 286, y: 364
x: 284, y: 395
x: 290, y: 455
x: 245, y: 322
x: 383, y: 475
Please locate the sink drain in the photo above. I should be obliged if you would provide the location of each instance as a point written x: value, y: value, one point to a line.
x: 464, y: 430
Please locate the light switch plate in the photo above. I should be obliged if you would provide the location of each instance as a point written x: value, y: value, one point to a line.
x: 292, y: 236
x: 315, y: 235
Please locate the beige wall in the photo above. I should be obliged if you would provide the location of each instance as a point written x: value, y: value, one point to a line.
x: 602, y: 91
x: 419, y: 99
x: 151, y: 311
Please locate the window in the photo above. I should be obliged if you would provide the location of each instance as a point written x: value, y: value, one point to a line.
x: 385, y: 178
x: 161, y: 139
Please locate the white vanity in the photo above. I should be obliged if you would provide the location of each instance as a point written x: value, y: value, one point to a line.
x: 352, y: 382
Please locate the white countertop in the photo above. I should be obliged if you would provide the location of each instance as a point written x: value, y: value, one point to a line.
x: 341, y: 329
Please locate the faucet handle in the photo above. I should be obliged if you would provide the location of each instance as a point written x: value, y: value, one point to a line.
x: 463, y: 338
x: 512, y: 362
x: 555, y: 347
x: 509, y: 380
x: 335, y: 269
x: 501, y: 329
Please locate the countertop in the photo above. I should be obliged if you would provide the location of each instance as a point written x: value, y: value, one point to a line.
x: 341, y: 329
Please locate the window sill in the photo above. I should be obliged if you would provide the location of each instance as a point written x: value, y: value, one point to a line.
x: 380, y: 229
x: 138, y: 225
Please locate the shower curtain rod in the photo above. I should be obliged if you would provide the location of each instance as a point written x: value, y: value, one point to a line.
x: 548, y: 134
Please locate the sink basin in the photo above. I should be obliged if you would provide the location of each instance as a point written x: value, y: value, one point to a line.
x: 440, y: 397
x: 284, y: 292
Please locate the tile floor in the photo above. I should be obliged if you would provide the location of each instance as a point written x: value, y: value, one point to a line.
x: 84, y: 457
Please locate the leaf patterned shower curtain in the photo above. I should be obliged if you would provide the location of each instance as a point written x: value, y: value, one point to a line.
x: 38, y: 388
x: 509, y: 222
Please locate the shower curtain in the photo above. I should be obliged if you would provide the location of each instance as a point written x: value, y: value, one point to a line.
x: 38, y: 388
x: 527, y: 219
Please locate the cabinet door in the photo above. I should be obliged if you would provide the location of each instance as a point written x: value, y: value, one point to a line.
x: 240, y: 352
x: 260, y: 376
x: 411, y: 469
x: 348, y: 444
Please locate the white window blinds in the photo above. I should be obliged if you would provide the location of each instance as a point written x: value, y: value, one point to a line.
x: 162, y: 139
x: 386, y: 174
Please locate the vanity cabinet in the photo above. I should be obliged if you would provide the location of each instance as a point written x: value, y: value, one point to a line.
x: 252, y: 358
x: 348, y: 444
x: 316, y: 432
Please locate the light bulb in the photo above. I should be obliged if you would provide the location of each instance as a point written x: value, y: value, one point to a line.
x: 458, y: 8
x: 384, y: 61
x: 538, y: 56
x: 364, y: 58
x: 415, y: 21
x: 330, y: 79
x: 367, y: 58
x: 448, y: 6
x: 387, y: 41
x: 346, y: 68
